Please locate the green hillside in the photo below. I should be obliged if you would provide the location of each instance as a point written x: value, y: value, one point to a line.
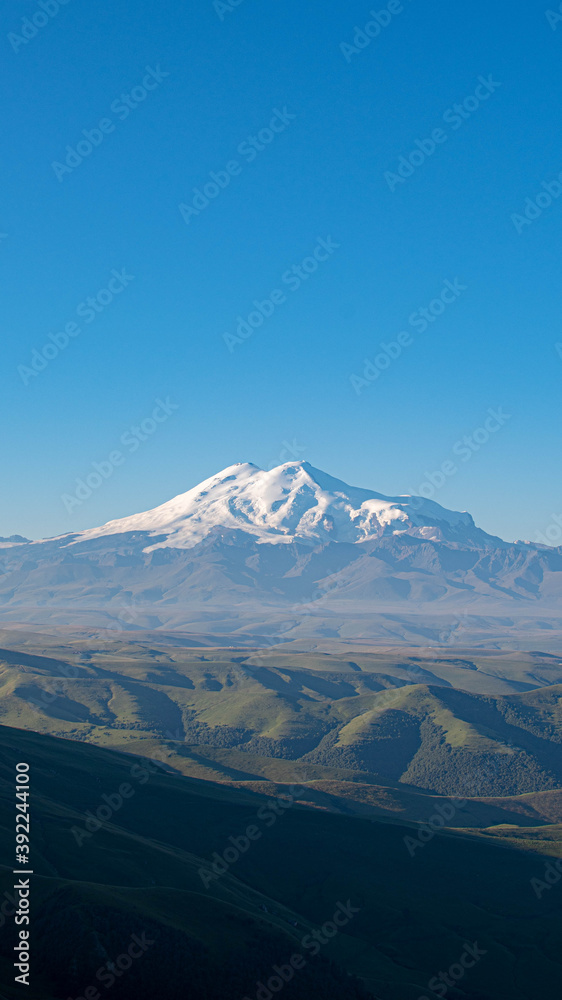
x: 389, y: 719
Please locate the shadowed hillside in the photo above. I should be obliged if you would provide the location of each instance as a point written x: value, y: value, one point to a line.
x: 147, y: 870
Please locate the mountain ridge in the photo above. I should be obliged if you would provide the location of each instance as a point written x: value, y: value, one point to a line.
x: 293, y: 501
x: 290, y: 551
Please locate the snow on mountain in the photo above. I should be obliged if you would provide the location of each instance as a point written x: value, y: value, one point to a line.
x: 291, y: 502
x: 288, y: 548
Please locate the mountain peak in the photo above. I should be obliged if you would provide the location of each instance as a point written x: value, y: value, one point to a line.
x: 291, y: 502
x: 278, y: 542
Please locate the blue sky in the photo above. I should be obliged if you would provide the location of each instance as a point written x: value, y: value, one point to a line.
x: 331, y: 113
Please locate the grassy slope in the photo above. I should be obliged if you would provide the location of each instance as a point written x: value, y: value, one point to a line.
x: 339, y: 790
x: 141, y: 872
x: 384, y: 719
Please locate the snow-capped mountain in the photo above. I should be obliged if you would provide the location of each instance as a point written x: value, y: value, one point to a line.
x: 293, y: 502
x: 289, y: 551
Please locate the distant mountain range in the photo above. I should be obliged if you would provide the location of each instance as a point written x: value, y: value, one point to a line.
x: 291, y: 550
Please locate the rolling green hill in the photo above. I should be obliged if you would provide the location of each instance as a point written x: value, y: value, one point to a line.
x: 477, y: 726
x: 140, y: 874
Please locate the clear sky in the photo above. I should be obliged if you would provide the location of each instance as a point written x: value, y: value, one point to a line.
x: 116, y: 114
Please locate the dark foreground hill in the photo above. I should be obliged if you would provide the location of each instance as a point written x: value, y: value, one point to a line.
x: 142, y: 885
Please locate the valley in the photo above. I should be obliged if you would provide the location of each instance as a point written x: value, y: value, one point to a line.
x: 275, y: 700
x: 383, y: 733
